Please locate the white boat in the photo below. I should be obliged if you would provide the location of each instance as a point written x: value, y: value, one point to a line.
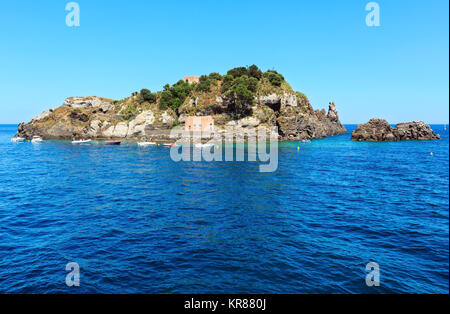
x: 203, y: 145
x: 146, y: 143
x: 17, y: 139
x: 36, y: 139
x: 81, y: 141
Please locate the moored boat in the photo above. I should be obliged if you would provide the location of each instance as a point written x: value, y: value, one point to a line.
x: 146, y: 143
x: 17, y: 139
x: 36, y: 140
x: 169, y: 144
x: 81, y: 141
x: 207, y: 145
x: 112, y: 143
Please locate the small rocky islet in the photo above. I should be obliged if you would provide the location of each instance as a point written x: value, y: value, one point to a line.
x: 243, y: 98
x: 379, y: 130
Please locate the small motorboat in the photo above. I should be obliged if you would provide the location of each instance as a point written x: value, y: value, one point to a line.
x: 207, y: 145
x: 81, y: 141
x: 169, y: 144
x: 144, y: 144
x: 112, y: 143
x: 36, y: 140
x: 17, y: 139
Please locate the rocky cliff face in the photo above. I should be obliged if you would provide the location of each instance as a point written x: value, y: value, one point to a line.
x: 380, y: 130
x: 244, y: 98
x: 98, y: 118
x: 304, y: 123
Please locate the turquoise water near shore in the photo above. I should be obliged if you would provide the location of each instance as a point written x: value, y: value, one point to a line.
x: 137, y: 222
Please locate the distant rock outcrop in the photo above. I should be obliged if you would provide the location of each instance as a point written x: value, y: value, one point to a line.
x: 378, y: 130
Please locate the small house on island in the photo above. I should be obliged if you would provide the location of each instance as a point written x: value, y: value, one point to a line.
x: 199, y: 124
x: 192, y: 79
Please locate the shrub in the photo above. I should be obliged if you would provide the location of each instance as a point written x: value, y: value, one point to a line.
x: 254, y: 71
x: 242, y: 100
x: 204, y: 84
x: 215, y: 76
x: 227, y: 82
x: 236, y: 72
x: 252, y: 84
x: 166, y: 100
x: 275, y: 72
x: 243, y: 95
x: 274, y: 77
x: 129, y: 112
x: 173, y: 97
x: 147, y: 95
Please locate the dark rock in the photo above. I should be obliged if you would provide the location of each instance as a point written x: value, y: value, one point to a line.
x: 416, y: 130
x: 299, y: 125
x: 75, y: 115
x: 379, y: 130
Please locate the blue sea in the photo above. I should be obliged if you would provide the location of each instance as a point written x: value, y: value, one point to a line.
x: 137, y: 222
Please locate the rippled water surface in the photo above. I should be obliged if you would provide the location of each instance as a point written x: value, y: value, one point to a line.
x: 137, y: 222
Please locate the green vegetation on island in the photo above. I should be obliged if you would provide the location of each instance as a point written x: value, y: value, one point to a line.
x: 239, y: 85
x: 242, y: 97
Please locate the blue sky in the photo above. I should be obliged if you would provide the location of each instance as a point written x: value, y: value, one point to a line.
x: 398, y: 71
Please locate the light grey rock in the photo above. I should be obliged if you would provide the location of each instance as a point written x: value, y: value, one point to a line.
x: 249, y: 122
x: 108, y: 132
x: 121, y: 130
x: 167, y: 118
x: 182, y: 118
x: 95, y: 127
x: 106, y: 106
x: 193, y: 101
x: 43, y: 115
x: 332, y: 113
x: 139, y: 124
x: 89, y: 102
x: 271, y: 99
x: 289, y: 100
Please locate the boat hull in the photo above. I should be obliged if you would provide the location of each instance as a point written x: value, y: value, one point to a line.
x: 143, y: 144
x: 111, y: 143
x: 81, y: 142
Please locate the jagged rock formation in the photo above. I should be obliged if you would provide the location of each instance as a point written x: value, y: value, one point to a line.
x: 94, y: 117
x: 380, y: 130
x: 297, y: 124
x: 269, y: 101
x: 97, y: 118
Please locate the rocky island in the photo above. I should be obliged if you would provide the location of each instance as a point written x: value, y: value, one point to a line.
x: 377, y: 130
x: 244, y: 97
